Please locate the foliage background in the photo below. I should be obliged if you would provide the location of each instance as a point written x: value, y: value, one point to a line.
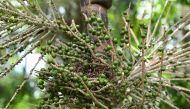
x: 29, y: 96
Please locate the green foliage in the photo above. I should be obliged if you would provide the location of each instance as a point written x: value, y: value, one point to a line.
x: 8, y: 86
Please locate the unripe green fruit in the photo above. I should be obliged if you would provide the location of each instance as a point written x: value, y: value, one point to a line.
x: 125, y: 13
x: 126, y: 72
x: 40, y: 82
x: 87, y: 40
x: 102, y: 75
x: 122, y: 40
x: 50, y: 61
x: 116, y: 62
x: 160, y: 49
x: 99, y: 20
x: 49, y: 42
x: 140, y: 46
x: 93, y: 18
x: 101, y: 24
x: 122, y: 33
x: 71, y: 68
x: 115, y: 41
x: 85, y: 78
x: 106, y: 37
x: 89, y: 84
x: 143, y: 36
x: 170, y: 31
x: 53, y: 55
x: 43, y: 49
x: 109, y: 47
x: 120, y: 53
x: 121, y: 45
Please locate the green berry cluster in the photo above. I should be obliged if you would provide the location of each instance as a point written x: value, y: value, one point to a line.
x: 86, y: 72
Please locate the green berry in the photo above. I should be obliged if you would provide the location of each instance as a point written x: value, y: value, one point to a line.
x: 85, y: 78
x: 49, y: 42
x: 106, y: 37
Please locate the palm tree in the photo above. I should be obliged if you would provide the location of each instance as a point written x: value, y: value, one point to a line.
x: 97, y: 70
